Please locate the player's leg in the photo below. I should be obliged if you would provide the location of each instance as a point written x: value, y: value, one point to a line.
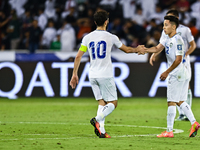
x: 189, y: 97
x: 102, y: 103
x: 171, y: 114
x: 187, y: 110
x: 109, y: 94
x: 173, y: 96
x: 98, y: 97
x: 182, y: 116
x: 105, y: 90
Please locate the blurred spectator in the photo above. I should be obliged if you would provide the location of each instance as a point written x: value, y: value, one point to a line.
x: 35, y: 34
x: 115, y: 26
x: 56, y: 44
x: 26, y: 19
x: 5, y: 42
x: 158, y: 15
x: 4, y: 21
x: 24, y: 41
x: 128, y: 8
x: 182, y: 5
x: 42, y: 19
x: 93, y: 4
x: 195, y: 11
x: 150, y: 41
x: 139, y: 17
x: 167, y: 4
x: 70, y: 7
x: 148, y: 6
x: 5, y: 7
x: 109, y: 5
x: 193, y: 28
x: 13, y: 30
x: 84, y: 28
x: 67, y: 37
x: 48, y: 35
x: 152, y: 27
x: 50, y: 9
x: 17, y: 5
x: 90, y: 13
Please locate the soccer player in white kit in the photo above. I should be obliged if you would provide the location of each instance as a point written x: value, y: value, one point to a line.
x: 99, y: 44
x: 178, y: 73
x: 190, y: 46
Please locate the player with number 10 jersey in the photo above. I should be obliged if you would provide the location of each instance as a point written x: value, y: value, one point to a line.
x: 99, y: 44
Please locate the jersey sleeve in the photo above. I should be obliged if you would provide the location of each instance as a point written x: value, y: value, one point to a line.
x: 163, y: 38
x: 189, y: 35
x: 83, y: 45
x: 116, y: 41
x: 180, y: 47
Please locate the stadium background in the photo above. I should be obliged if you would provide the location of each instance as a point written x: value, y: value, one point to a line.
x: 38, y: 73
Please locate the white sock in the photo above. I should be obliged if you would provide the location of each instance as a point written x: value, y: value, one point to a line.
x: 101, y: 122
x: 188, y: 112
x: 105, y: 111
x: 189, y: 98
x: 180, y: 110
x: 171, y: 114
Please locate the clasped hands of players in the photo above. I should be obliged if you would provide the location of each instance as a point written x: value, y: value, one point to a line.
x: 141, y: 50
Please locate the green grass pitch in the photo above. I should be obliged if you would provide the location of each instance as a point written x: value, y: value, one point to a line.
x: 63, y: 123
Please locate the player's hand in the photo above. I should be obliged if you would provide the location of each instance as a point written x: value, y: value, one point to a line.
x: 74, y: 81
x: 164, y: 75
x: 152, y: 59
x: 141, y: 49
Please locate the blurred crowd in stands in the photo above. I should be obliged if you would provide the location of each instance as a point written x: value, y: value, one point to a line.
x: 61, y: 24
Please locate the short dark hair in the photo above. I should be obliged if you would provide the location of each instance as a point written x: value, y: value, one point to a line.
x: 172, y: 19
x: 174, y: 12
x: 100, y: 17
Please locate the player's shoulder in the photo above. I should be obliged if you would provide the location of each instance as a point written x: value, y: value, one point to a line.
x: 178, y: 38
x: 183, y: 27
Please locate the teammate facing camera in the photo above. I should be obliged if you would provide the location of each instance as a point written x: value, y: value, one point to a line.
x: 177, y: 73
x: 190, y: 46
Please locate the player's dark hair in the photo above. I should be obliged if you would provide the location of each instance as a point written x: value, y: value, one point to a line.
x: 172, y: 19
x: 100, y: 17
x: 174, y: 12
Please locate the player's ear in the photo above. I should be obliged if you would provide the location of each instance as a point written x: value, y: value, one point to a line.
x: 174, y: 26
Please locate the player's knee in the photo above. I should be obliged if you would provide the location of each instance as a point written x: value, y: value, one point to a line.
x: 171, y: 104
x: 115, y: 103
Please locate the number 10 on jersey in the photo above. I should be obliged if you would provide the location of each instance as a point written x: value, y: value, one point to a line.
x: 98, y: 49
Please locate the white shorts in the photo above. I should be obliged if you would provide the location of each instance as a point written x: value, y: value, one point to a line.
x: 104, y: 88
x: 177, y: 90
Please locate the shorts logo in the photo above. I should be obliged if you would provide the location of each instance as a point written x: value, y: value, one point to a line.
x: 179, y: 47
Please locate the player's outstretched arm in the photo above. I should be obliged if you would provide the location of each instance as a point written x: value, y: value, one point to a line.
x: 128, y: 49
x: 74, y: 79
x: 155, y: 49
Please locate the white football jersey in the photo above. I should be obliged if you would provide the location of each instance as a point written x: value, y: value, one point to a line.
x: 99, y: 44
x: 187, y: 37
x: 174, y: 46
